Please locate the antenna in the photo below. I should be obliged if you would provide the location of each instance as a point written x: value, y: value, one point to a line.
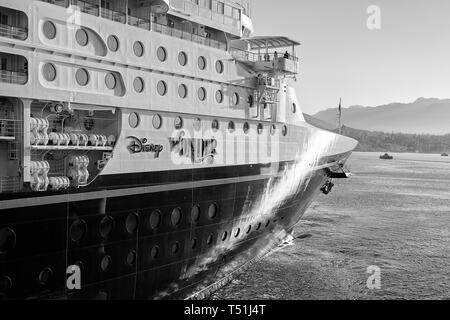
x: 340, y: 116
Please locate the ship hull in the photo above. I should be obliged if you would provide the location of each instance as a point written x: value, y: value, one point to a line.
x: 130, y: 256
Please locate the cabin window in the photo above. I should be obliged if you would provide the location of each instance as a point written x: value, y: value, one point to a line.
x: 176, y: 217
x: 131, y: 258
x: 182, y: 91
x: 162, y: 88
x: 49, y: 30
x: 231, y: 126
x: 202, y: 63
x: 175, y: 248
x: 237, y: 232
x: 162, y: 54
x: 157, y: 121
x: 195, y: 214
x: 138, y: 49
x: 7, y: 240
x: 197, y: 124
x: 228, y: 11
x: 138, y: 84
x: 155, y: 220
x: 182, y: 58
x: 154, y: 252
x: 215, y: 125
x: 110, y: 81
x: 273, y: 130
x: 219, y: 8
x: 113, y: 43
x: 260, y: 128
x: 82, y: 37
x: 202, y: 94
x: 246, y: 127
x: 219, y: 96
x: 212, y: 211
x: 178, y: 123
x: 133, y: 120
x: 49, y: 72
x: 210, y: 239
x: 106, y: 227
x: 224, y: 236
x: 219, y: 66
x: 236, y: 14
x: 284, y: 131
x: 294, y: 108
x: 235, y: 98
x: 82, y: 77
x: 194, y: 243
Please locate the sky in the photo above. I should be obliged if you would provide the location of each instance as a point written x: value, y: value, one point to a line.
x: 407, y: 58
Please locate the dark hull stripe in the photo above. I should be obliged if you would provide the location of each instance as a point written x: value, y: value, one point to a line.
x: 73, y: 197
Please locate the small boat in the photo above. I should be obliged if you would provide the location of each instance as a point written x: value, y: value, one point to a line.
x: 386, y: 156
x: 444, y: 155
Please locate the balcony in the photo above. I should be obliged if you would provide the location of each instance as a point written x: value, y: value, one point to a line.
x: 113, y: 15
x: 13, y: 32
x: 13, y: 77
x: 286, y: 63
x: 61, y: 3
x: 9, y: 184
x: 86, y: 6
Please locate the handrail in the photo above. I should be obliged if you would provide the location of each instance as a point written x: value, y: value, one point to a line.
x: 86, y: 6
x: 13, y: 77
x: 261, y: 57
x: 9, y: 184
x: 113, y: 15
x: 13, y: 32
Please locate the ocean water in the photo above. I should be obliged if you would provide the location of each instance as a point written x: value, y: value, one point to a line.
x: 391, y: 214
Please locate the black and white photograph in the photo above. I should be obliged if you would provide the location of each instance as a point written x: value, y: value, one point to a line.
x: 227, y: 152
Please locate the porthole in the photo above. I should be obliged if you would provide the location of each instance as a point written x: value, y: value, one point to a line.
x: 131, y: 258
x: 106, y: 263
x: 212, y: 210
x: 49, y: 30
x: 202, y: 63
x: 267, y: 223
x: 5, y: 283
x: 219, y: 66
x: 202, y: 94
x: 110, y: 81
x: 162, y: 54
x: 237, y: 232
x: 138, y: 48
x: 132, y: 223
x: 258, y: 227
x: 157, y: 121
x: 82, y: 37
x: 113, y: 43
x: 45, y: 275
x: 138, y: 84
x: 154, y: 252
x: 178, y: 123
x: 246, y: 127
x: 176, y: 217
x: 155, y: 219
x: 235, y: 98
x: 231, y: 126
x: 162, y: 88
x: 260, y: 128
x: 195, y: 214
x: 273, y: 130
x: 82, y: 77
x: 77, y: 230
x: 7, y: 240
x: 134, y: 120
x: 250, y: 101
x: 215, y: 125
x: 210, y: 239
x: 197, y: 124
x: 249, y: 229
x: 49, y: 72
x: 182, y: 58
x: 294, y: 108
x: 224, y: 236
x: 182, y: 91
x: 175, y: 248
x: 106, y: 226
x: 194, y: 243
x: 219, y: 96
x: 284, y: 130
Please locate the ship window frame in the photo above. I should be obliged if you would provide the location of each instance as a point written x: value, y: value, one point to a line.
x: 161, y: 54
x: 260, y: 128
x: 235, y: 99
x: 176, y: 219
x: 178, y: 123
x: 155, y: 224
x: 183, y: 94
x: 157, y: 125
x: 246, y: 127
x: 138, y: 49
x: 284, y: 131
x: 202, y: 63
x: 82, y: 37
x: 197, y: 124
x: 79, y: 74
x: 215, y: 125
x: 231, y: 127
x: 202, y: 94
x: 219, y: 96
x: 113, y: 46
x: 49, y: 26
x: 49, y: 69
x: 111, y: 77
x: 219, y: 67
x: 294, y: 108
x: 134, y: 123
x: 161, y: 88
x: 138, y: 81
x: 183, y: 55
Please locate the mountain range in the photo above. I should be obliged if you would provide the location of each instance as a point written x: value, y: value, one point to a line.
x: 423, y: 116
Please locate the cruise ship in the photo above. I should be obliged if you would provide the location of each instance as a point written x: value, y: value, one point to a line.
x: 149, y: 149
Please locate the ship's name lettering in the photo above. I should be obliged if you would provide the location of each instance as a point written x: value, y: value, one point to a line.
x: 137, y: 145
x: 199, y: 150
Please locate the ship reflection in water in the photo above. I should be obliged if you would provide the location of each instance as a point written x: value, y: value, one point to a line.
x: 390, y: 215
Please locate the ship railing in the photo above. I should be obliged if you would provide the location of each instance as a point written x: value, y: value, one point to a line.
x: 261, y: 57
x: 8, y: 129
x: 181, y: 34
x: 13, y: 32
x: 61, y: 3
x: 86, y: 6
x: 139, y: 22
x: 14, y: 77
x: 113, y: 15
x: 9, y: 184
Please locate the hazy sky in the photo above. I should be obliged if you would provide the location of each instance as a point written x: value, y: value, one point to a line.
x: 409, y: 57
